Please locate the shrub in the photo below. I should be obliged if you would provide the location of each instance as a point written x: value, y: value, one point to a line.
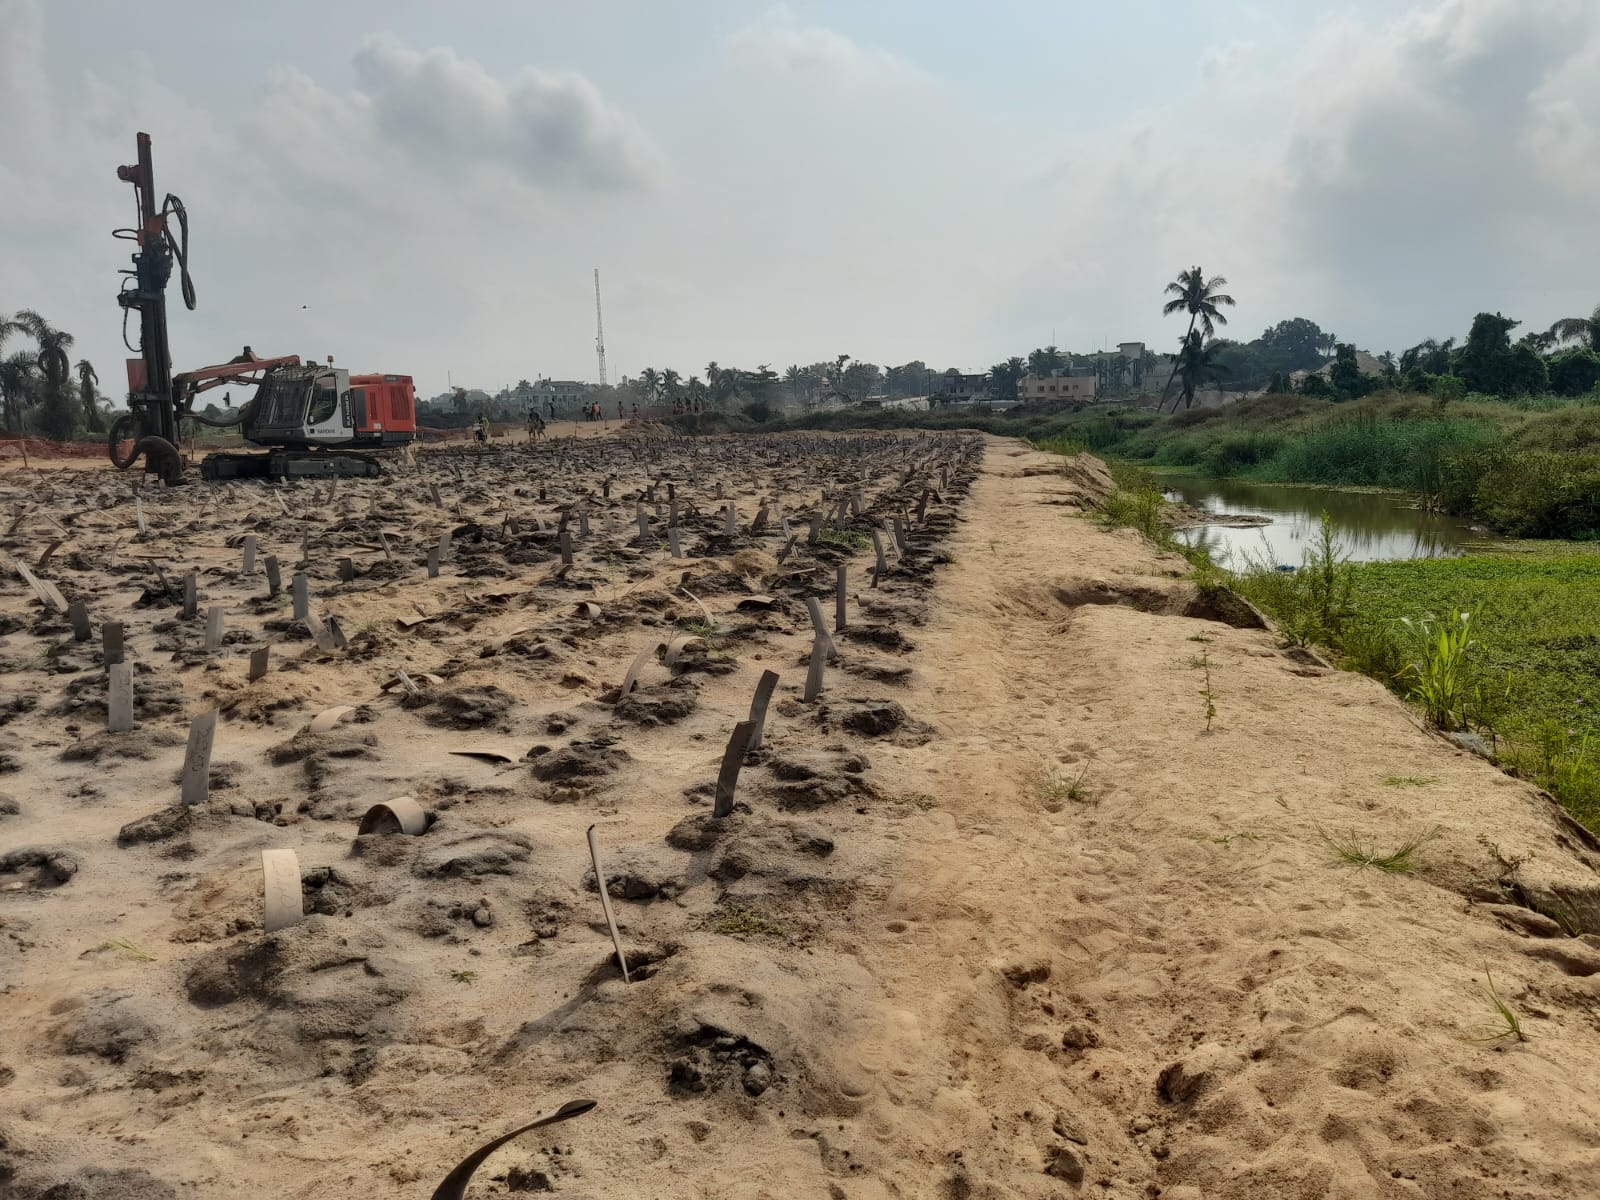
x: 1438, y: 674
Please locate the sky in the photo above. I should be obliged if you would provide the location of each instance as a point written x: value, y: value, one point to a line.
x: 427, y: 189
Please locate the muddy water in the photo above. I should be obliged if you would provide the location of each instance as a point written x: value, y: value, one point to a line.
x: 1370, y: 525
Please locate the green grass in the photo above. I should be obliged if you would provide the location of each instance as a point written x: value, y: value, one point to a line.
x: 1401, y: 781
x: 1532, y: 680
x: 1138, y: 503
x: 1402, y: 860
x: 129, y: 949
x: 840, y: 535
x: 1508, y: 1023
x: 464, y: 976
x: 1228, y: 839
x: 739, y: 921
x: 1057, y: 789
x: 920, y: 801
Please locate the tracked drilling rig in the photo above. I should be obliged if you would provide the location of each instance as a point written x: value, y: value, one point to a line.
x: 313, y: 419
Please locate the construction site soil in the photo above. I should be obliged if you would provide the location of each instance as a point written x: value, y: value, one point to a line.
x: 1036, y: 897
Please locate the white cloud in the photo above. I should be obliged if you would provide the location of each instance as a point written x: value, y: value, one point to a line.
x: 779, y: 44
x: 1429, y: 154
x: 551, y: 128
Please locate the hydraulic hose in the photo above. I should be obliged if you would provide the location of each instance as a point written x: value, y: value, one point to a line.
x: 172, y: 206
x: 121, y: 431
x: 228, y: 424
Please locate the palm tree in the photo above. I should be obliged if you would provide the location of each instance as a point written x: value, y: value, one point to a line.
x: 1195, y: 365
x: 1198, y: 296
x: 1579, y: 329
x: 18, y: 381
x: 1004, y: 377
x: 650, y: 380
x: 1043, y: 362
x: 697, y: 390
x: 8, y: 326
x: 1113, y: 371
x: 794, y: 376
x: 86, y: 393
x: 53, y: 345
x: 56, y: 365
x: 671, y: 383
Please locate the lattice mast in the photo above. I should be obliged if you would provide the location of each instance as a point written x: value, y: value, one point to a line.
x: 599, y: 330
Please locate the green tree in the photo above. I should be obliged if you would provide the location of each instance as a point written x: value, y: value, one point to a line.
x: 1006, y: 376
x: 55, y: 364
x: 650, y: 381
x: 1430, y: 357
x: 861, y: 379
x: 837, y: 386
x: 1043, y: 362
x: 1292, y: 345
x: 1490, y: 363
x: 760, y: 385
x: 19, y: 380
x: 1579, y: 329
x: 671, y: 385
x: 1574, y: 372
x: 1345, y: 376
x: 1199, y: 297
x: 1196, y: 366
x: 88, y: 397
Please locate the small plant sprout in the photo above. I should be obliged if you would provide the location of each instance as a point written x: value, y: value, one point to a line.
x: 464, y: 976
x: 1402, y: 860
x: 1205, y: 692
x: 1507, y: 1024
x: 1201, y: 637
x: 129, y: 949
x: 1056, y: 789
x: 1400, y: 781
x: 745, y: 922
x: 1228, y: 839
x: 920, y: 801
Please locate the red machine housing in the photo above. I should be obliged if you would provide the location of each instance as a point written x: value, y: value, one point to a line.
x: 389, y: 414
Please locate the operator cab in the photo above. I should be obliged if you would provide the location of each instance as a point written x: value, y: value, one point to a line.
x: 307, y: 405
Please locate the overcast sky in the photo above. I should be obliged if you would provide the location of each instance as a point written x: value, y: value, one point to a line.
x: 419, y: 187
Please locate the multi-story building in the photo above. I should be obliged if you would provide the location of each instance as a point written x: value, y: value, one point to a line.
x: 1058, y: 385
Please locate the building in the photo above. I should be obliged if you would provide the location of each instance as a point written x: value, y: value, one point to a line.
x: 1368, y: 364
x: 957, y: 388
x: 560, y: 396
x: 1058, y: 385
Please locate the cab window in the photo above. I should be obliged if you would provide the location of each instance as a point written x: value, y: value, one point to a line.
x: 324, y: 402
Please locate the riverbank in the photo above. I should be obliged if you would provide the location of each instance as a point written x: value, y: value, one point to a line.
x: 1533, y: 669
x: 1528, y: 468
x: 1527, y: 677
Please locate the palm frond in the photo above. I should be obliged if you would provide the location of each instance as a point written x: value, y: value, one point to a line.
x: 1573, y: 329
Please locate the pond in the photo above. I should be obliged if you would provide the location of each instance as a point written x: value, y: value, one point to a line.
x: 1371, y: 526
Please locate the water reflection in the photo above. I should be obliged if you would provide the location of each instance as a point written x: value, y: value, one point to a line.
x: 1370, y: 526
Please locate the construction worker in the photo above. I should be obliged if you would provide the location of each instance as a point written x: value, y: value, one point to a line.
x: 483, y: 428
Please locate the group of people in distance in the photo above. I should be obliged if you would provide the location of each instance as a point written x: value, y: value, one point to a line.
x: 589, y: 412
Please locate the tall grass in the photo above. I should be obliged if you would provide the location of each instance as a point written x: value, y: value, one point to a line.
x: 1311, y: 604
x: 1138, y: 503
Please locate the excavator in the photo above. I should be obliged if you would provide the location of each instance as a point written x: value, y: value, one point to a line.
x: 314, y: 420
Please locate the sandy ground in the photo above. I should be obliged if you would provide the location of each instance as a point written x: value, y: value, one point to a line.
x: 997, y: 916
